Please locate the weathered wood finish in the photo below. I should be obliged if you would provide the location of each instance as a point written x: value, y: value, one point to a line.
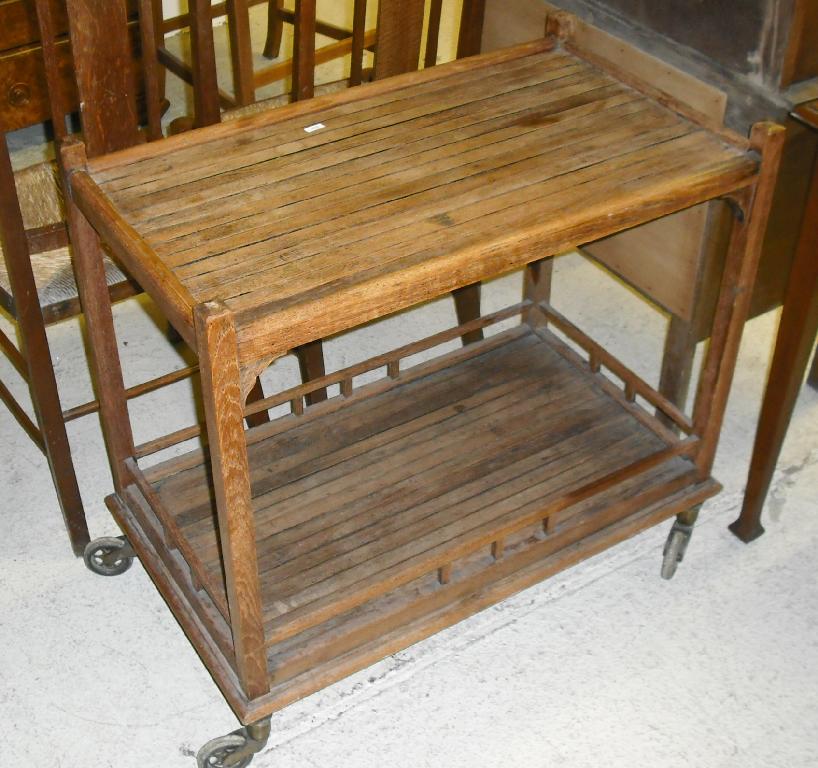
x: 445, y: 216
x: 222, y: 394
x: 355, y: 526
x: 311, y: 500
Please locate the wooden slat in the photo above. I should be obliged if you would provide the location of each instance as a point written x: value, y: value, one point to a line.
x: 132, y: 392
x: 491, y: 245
x: 139, y: 260
x: 330, y: 533
x: 173, y: 539
x: 14, y: 355
x: 304, y: 51
x: 209, y: 614
x: 22, y: 418
x: 417, y: 194
x: 633, y: 383
x: 582, y: 143
x: 199, y: 634
x: 349, y: 648
x: 456, y: 142
x: 446, y: 389
x: 121, y: 163
x: 345, y: 121
x: 326, y: 53
x: 205, y: 82
x: 358, y: 42
x: 295, y: 655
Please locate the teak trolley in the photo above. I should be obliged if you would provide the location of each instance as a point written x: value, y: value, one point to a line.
x: 299, y: 551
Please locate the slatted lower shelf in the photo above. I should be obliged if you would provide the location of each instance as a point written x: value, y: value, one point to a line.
x: 412, y: 506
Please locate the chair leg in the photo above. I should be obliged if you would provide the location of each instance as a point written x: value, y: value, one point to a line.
x: 47, y: 406
x: 256, y: 394
x: 161, y: 72
x: 275, y: 29
x: 241, y: 51
x: 34, y: 347
x: 677, y: 365
x: 303, y: 78
x: 471, y: 28
x: 467, y: 307
x: 205, y: 82
x: 812, y: 379
x: 311, y: 363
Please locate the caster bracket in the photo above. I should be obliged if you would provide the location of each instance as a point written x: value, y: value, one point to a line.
x: 675, y: 548
x: 109, y: 555
x: 237, y: 749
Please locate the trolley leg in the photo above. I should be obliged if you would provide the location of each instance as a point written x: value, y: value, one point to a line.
x: 237, y: 749
x: 677, y: 541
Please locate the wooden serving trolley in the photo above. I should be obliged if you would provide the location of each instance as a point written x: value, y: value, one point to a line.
x: 296, y: 552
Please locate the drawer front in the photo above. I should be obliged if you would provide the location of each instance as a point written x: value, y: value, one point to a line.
x: 18, y: 21
x: 23, y: 93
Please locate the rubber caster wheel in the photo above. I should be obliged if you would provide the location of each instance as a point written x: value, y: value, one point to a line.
x: 675, y: 548
x: 108, y: 556
x: 224, y: 752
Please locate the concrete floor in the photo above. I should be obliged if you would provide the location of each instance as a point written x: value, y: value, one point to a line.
x: 605, y: 664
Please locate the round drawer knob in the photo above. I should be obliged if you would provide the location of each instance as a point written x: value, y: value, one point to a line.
x: 19, y: 95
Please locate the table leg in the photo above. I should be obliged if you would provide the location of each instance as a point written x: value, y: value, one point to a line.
x: 793, y: 346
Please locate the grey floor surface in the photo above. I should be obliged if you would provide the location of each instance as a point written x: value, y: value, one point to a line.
x: 603, y: 665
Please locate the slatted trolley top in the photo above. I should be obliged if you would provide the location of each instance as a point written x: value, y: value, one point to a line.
x: 313, y: 218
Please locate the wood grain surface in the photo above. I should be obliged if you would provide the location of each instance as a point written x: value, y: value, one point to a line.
x: 406, y: 194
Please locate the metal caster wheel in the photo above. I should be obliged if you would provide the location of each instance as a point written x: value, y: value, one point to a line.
x: 223, y: 752
x: 675, y: 548
x: 109, y: 556
x: 237, y: 749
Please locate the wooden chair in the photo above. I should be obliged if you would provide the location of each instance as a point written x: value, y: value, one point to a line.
x: 201, y: 73
x: 37, y: 285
